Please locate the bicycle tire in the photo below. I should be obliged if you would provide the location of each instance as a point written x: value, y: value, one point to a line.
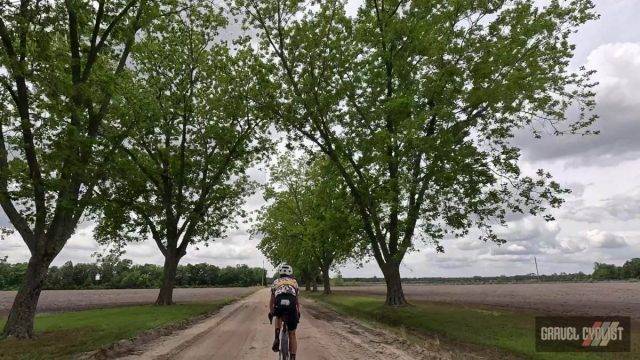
x: 284, y: 344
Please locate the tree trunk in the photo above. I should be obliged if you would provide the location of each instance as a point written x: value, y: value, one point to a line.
x: 326, y: 281
x: 395, y: 294
x: 20, y: 321
x: 165, y: 297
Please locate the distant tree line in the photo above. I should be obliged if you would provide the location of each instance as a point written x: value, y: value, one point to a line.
x: 601, y: 271
x: 630, y: 270
x: 123, y: 274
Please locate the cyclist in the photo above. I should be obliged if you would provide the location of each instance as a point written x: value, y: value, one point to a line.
x: 284, y: 306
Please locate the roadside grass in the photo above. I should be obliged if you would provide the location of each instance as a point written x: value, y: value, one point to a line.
x: 510, y: 332
x: 61, y: 335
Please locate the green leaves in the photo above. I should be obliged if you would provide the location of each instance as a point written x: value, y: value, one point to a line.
x: 416, y: 102
x: 60, y: 65
x: 309, y: 220
x: 196, y: 111
x: 4, y: 232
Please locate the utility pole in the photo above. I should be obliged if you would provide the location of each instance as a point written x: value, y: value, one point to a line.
x: 537, y: 272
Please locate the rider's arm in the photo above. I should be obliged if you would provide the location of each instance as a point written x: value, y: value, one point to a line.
x: 272, y: 302
x: 297, y: 299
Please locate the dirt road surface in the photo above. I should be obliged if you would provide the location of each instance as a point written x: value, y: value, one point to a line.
x: 241, y: 331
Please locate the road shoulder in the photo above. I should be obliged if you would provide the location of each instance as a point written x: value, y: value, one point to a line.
x: 389, y: 341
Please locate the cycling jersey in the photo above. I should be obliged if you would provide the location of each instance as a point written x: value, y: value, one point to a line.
x: 285, y: 285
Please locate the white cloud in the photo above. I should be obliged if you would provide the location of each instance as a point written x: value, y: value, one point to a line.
x: 530, y: 229
x: 617, y: 66
x: 514, y: 249
x: 506, y: 258
x: 453, y: 262
x: 4, y: 220
x: 571, y: 246
x: 83, y: 240
x: 624, y: 207
x: 225, y: 252
x: 470, y: 244
x: 620, y: 207
x: 579, y: 211
x: 618, y: 105
x: 604, y: 239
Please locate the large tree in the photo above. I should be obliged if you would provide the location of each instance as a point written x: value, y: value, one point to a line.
x: 309, y: 220
x: 61, y: 65
x: 416, y: 103
x: 181, y: 177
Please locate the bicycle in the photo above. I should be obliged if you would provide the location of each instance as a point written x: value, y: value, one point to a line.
x: 283, y: 353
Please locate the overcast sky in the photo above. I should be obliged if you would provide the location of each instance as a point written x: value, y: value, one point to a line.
x: 599, y: 222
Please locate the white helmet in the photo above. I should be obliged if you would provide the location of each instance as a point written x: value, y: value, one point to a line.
x: 285, y: 269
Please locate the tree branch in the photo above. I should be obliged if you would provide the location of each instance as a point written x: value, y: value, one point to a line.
x: 155, y: 234
x: 92, y: 55
x: 74, y: 42
x: 9, y: 88
x: 18, y: 221
x: 7, y: 43
x: 107, y: 32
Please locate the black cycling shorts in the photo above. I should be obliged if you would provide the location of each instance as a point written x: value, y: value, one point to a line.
x: 286, y: 310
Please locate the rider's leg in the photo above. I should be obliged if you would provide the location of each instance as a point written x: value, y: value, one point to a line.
x: 278, y: 324
x: 293, y: 344
x: 276, y: 341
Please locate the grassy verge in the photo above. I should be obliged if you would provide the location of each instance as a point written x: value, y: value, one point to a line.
x: 61, y: 335
x: 511, y: 332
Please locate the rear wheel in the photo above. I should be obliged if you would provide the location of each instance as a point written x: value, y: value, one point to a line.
x: 284, y: 343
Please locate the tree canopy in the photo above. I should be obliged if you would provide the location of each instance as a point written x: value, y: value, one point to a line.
x: 62, y: 65
x: 309, y: 220
x: 151, y: 113
x: 181, y: 176
x: 416, y: 103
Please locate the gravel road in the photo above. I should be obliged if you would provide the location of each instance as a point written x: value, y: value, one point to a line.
x: 241, y: 331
